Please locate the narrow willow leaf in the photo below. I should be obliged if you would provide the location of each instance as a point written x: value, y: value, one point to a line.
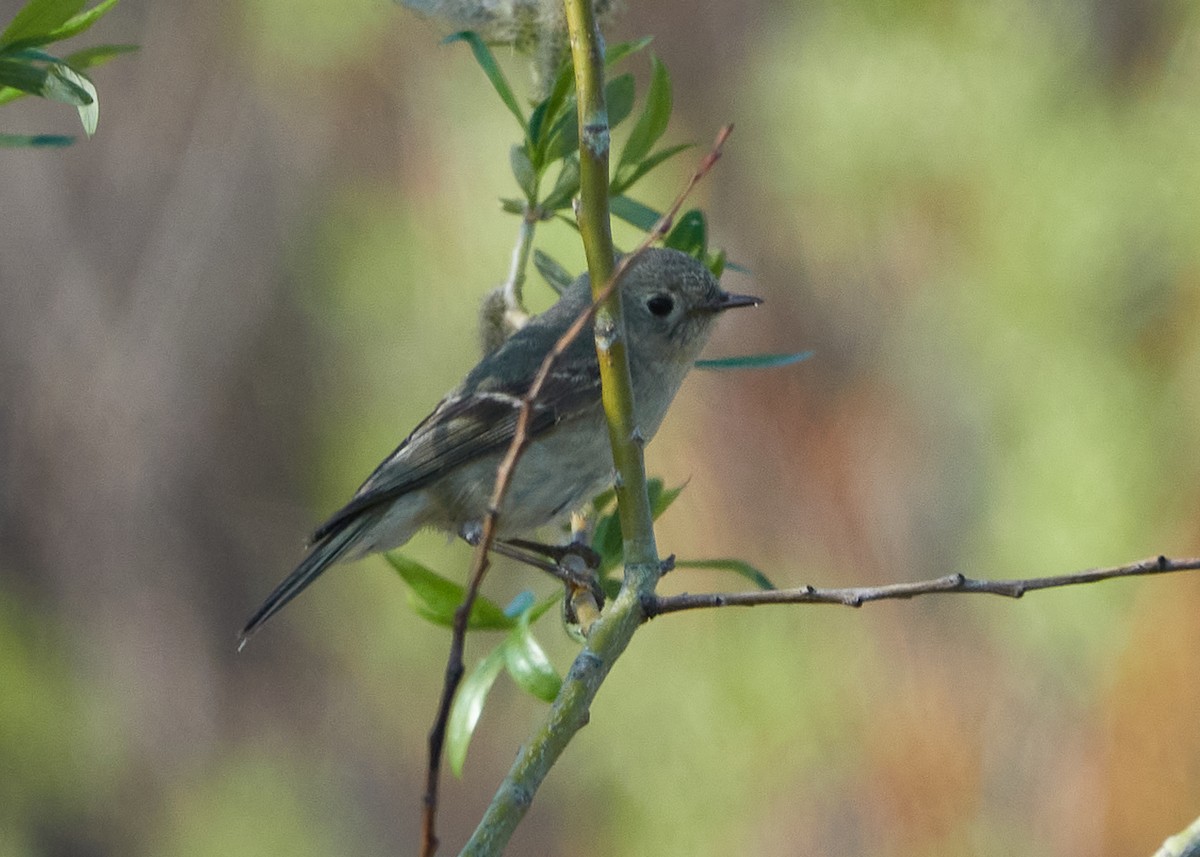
x: 523, y: 172
x: 549, y: 110
x: 468, y: 705
x: 737, y: 566
x: 619, y: 95
x: 652, y: 123
x: 436, y: 598
x: 87, y: 58
x: 97, y: 56
x: 23, y: 76
x: 566, y: 186
x: 753, y: 361
x: 80, y: 22
x: 716, y: 263
x: 619, y: 51
x: 89, y: 112
x: 607, y: 541
x: 661, y: 497
x: 527, y: 663
x: 37, y: 18
x: 603, y: 499
x: 625, y: 179
x: 552, y: 272
x: 689, y: 234
x: 563, y: 137
x: 487, y: 61
x: 607, y: 538
x: 642, y: 216
x: 15, y: 141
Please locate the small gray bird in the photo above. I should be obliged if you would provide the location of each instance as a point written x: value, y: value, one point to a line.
x: 443, y: 473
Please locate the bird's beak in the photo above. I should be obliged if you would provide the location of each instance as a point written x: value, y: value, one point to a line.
x: 728, y: 300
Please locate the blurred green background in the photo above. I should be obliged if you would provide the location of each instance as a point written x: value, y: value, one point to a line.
x: 220, y: 313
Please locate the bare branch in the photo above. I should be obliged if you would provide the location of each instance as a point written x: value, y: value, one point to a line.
x: 952, y: 583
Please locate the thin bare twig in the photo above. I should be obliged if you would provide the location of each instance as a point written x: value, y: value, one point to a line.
x: 504, y: 473
x: 858, y: 596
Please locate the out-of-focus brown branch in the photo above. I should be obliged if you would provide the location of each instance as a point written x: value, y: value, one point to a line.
x: 951, y: 583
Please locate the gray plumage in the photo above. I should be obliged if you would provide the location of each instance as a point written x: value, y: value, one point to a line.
x: 442, y: 475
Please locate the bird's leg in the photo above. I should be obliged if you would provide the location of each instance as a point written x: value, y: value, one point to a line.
x: 576, y: 565
x: 559, y: 553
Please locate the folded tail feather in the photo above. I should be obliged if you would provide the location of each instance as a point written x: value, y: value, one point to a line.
x: 321, y: 555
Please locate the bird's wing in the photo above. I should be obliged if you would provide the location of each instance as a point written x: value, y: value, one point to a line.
x: 478, y: 418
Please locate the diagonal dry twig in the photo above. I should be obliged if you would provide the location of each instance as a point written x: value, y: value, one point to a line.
x: 504, y: 473
x: 951, y: 583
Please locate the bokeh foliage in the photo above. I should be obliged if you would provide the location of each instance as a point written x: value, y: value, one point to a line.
x: 981, y: 217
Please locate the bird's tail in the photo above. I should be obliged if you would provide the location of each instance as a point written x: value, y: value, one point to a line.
x: 320, y: 556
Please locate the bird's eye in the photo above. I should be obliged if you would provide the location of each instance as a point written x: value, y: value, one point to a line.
x: 660, y: 305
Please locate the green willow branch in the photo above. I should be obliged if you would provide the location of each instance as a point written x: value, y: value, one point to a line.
x: 633, y: 505
x: 608, y: 636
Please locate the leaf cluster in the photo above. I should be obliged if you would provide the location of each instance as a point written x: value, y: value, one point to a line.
x: 27, y: 69
x: 436, y: 598
x: 550, y: 143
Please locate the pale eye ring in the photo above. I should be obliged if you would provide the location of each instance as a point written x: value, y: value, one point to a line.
x: 660, y: 305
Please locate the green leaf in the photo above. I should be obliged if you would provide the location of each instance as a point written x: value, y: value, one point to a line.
x: 689, y: 234
x: 564, y: 134
x: 523, y: 172
x: 486, y: 60
x: 566, y: 186
x: 753, y: 361
x: 528, y: 665
x: 619, y: 51
x: 513, y: 206
x: 716, y: 263
x: 553, y: 273
x: 23, y: 76
x: 652, y: 123
x: 619, y: 95
x: 661, y: 498
x: 435, y: 598
x: 603, y: 499
x: 549, y: 110
x: 87, y: 58
x: 468, y: 705
x: 13, y: 141
x: 607, y: 538
x: 38, y: 18
x: 631, y: 211
x: 607, y: 541
x: 622, y: 183
x: 737, y: 566
x: 97, y: 56
x: 89, y: 112
x: 81, y: 22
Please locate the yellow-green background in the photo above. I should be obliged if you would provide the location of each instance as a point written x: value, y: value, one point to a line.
x: 219, y: 314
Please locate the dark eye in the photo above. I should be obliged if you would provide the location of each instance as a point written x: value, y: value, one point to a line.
x: 661, y: 305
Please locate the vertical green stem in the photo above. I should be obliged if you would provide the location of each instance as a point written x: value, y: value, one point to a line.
x: 611, y: 634
x: 637, y: 522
